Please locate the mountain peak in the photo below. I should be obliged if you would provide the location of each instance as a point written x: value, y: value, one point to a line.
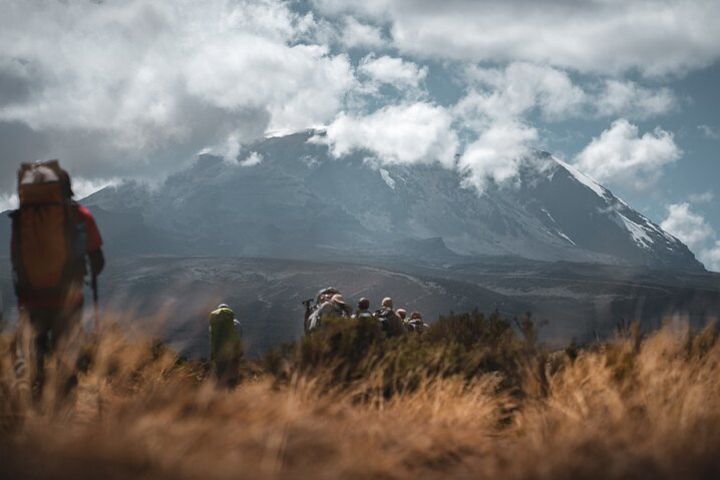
x: 299, y: 200
x: 584, y: 179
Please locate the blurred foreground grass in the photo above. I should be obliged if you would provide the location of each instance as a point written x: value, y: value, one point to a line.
x: 473, y: 397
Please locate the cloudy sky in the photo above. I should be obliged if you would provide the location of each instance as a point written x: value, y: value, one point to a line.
x: 626, y: 91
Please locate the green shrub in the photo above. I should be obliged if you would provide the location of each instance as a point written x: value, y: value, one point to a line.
x: 348, y: 353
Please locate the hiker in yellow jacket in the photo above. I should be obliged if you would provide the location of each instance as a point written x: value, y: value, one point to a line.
x: 225, y: 344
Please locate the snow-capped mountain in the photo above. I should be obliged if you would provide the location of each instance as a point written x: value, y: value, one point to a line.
x: 292, y: 198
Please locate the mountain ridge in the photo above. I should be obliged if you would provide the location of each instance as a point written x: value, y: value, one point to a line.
x: 296, y: 199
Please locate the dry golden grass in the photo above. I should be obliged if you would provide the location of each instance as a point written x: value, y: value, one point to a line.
x: 632, y: 408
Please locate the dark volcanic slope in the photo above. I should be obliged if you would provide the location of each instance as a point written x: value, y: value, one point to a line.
x: 172, y: 295
x: 588, y: 299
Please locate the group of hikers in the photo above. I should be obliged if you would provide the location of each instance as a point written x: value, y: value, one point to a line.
x: 56, y: 246
x: 226, y: 348
x: 330, y: 303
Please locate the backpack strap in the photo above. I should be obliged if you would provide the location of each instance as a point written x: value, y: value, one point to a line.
x: 15, y: 251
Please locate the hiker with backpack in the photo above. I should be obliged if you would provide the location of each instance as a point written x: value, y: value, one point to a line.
x: 416, y: 323
x: 55, y: 243
x: 226, y: 348
x: 335, y: 307
x: 313, y: 305
x: 389, y: 321
x: 363, y: 309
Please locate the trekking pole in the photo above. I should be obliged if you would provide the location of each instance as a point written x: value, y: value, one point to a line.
x: 96, y: 313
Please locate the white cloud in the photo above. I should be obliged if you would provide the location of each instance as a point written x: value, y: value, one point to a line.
x: 228, y: 148
x: 500, y: 102
x: 299, y: 86
x: 711, y: 257
x: 357, y: 34
x: 705, y: 197
x: 398, y: 134
x: 517, y: 89
x: 607, y: 36
x: 693, y: 230
x: 253, y: 159
x: 621, y: 156
x: 495, y: 112
x: 366, y: 8
x: 632, y: 100
x: 710, y: 132
x: 497, y: 154
x: 161, y: 79
x: 521, y: 88
x: 688, y: 226
x: 392, y: 71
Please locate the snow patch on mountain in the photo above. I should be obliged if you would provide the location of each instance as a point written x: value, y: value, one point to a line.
x: 584, y: 179
x: 387, y: 178
x: 566, y: 238
x: 556, y: 230
x: 657, y: 229
x: 641, y: 237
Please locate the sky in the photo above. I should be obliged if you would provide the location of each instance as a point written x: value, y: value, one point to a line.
x: 625, y: 91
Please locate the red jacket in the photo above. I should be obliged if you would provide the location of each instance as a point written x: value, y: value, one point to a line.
x: 94, y: 240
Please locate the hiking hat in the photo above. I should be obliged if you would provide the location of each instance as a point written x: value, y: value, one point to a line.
x: 387, y: 302
x: 223, y: 305
x: 337, y: 298
x: 401, y: 312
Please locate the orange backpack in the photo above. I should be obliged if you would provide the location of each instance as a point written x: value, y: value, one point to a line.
x: 47, y: 247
